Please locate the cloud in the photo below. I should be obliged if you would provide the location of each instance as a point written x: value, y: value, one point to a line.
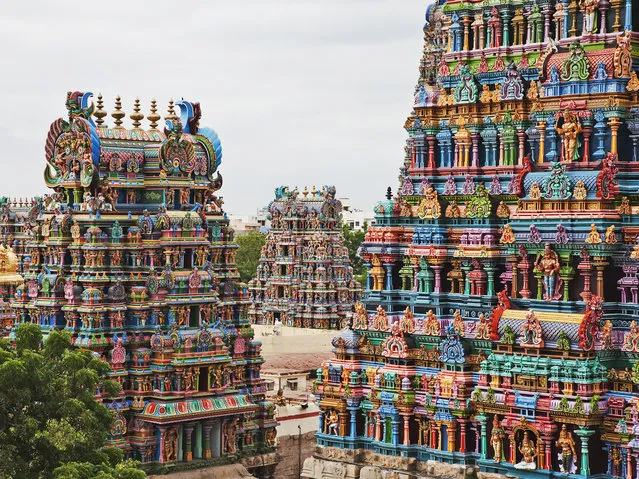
x: 300, y: 92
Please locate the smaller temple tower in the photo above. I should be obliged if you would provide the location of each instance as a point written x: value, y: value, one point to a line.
x: 304, y: 278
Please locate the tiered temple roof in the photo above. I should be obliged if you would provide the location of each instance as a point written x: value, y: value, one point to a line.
x: 133, y: 255
x: 497, y: 328
x: 304, y: 278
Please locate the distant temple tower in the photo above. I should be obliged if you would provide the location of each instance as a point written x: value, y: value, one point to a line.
x: 132, y: 254
x: 499, y: 325
x: 304, y: 278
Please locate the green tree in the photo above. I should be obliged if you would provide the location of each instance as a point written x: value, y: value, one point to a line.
x: 51, y: 424
x: 248, y: 254
x: 352, y: 240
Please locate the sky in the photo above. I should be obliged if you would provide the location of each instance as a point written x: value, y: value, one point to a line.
x: 300, y: 92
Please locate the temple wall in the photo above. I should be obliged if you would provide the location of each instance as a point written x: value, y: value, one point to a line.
x: 288, y: 450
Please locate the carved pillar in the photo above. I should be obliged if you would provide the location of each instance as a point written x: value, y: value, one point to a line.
x: 546, y: 12
x: 584, y: 434
x: 466, y: 23
x: 614, y: 123
x: 616, y: 7
x: 547, y: 455
x: 524, y: 266
x: 462, y: 435
x: 452, y: 435
x: 506, y: 28
x: 368, y: 275
x: 406, y: 430
x: 378, y: 428
x: 475, y: 140
x: 484, y: 440
x: 353, y: 412
x: 188, y: 432
x: 389, y: 275
x: 431, y: 150
x: 572, y: 10
x: 206, y: 428
x: 604, y: 5
x: 395, y: 432
x: 628, y: 26
x: 541, y: 127
x: 501, y: 150
x: 437, y: 268
x: 466, y: 267
x: 600, y: 263
x: 490, y: 272
x: 585, y: 269
x: 587, y: 131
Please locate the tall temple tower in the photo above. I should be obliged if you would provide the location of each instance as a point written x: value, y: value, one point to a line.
x: 304, y: 278
x: 498, y: 327
x: 133, y: 255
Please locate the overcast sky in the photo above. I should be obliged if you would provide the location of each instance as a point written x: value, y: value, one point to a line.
x: 300, y: 92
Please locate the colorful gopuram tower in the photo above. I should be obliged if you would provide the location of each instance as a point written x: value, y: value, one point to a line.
x: 304, y: 278
x: 498, y: 326
x: 133, y: 255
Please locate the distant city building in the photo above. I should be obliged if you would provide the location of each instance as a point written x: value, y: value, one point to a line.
x: 243, y: 224
x: 304, y: 278
x: 355, y: 218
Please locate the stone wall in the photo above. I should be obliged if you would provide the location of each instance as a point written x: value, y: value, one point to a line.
x: 288, y: 450
x: 334, y: 463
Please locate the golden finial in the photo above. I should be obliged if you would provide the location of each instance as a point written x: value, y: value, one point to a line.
x: 305, y: 192
x: 313, y: 191
x: 118, y: 114
x: 136, y: 116
x: 153, y: 117
x: 100, y: 113
x: 171, y: 112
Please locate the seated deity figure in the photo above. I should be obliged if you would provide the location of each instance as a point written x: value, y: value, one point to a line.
x: 528, y: 451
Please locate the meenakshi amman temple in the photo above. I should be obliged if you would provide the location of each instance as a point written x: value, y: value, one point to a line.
x: 132, y: 253
x: 304, y: 278
x: 498, y: 326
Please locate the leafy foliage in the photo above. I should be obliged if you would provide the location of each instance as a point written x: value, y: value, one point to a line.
x: 51, y: 425
x: 248, y: 254
x: 352, y: 240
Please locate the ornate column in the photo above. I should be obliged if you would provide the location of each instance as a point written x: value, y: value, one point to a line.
x: 395, y: 432
x: 501, y: 150
x: 188, y: 432
x: 614, y: 123
x: 524, y: 266
x: 551, y: 134
x: 521, y: 134
x: 505, y: 15
x: 406, y: 430
x: 484, y: 440
x: 474, y: 136
x: 206, y: 429
x: 466, y: 267
x: 368, y: 275
x: 600, y: 136
x: 162, y: 443
x: 437, y: 268
x: 452, y: 435
x: 600, y: 263
x: 462, y: 435
x: 490, y: 271
x: 584, y: 434
x: 378, y: 428
x: 616, y: 6
x: 587, y: 131
x: 628, y: 26
x: 431, y: 150
x: 389, y: 275
x: 466, y: 23
x: 541, y: 127
x: 546, y: 13
x: 573, y: 8
x: 547, y: 455
x: 353, y: 429
x: 320, y: 425
x: 604, y: 5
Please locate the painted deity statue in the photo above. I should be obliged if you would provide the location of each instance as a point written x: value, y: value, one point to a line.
x: 569, y: 132
x: 528, y: 451
x: 593, y: 236
x: 531, y: 332
x: 431, y: 327
x: 332, y: 423
x: 408, y: 321
x: 483, y: 329
x: 380, y: 321
x: 549, y: 265
x: 360, y: 317
x: 589, y: 9
x: 567, y: 455
x: 507, y: 235
x: 497, y: 439
x: 458, y: 324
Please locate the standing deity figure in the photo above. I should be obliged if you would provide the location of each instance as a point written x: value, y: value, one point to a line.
x: 496, y: 440
x: 528, y: 451
x: 567, y: 454
x: 549, y: 265
x: 569, y: 132
x: 332, y: 423
x: 589, y: 9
